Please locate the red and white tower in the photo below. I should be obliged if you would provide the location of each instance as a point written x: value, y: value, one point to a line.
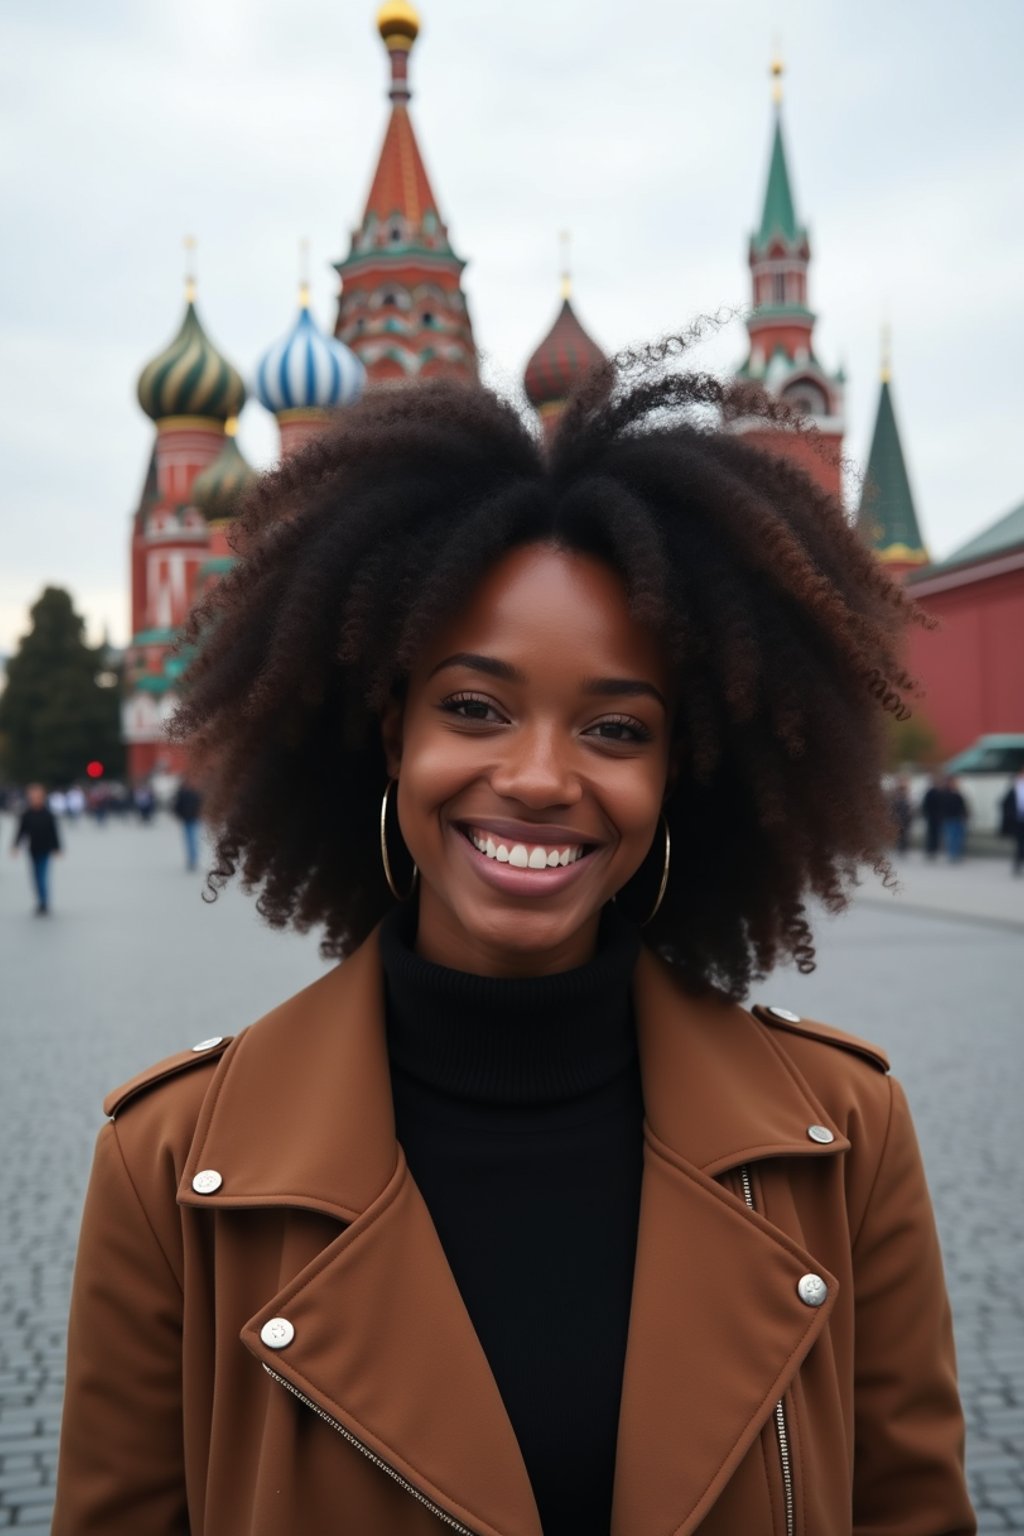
x: 401, y: 308
x: 190, y: 391
x: 781, y: 324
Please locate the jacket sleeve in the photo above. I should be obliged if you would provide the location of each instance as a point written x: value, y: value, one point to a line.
x: 909, y: 1432
x: 121, y: 1457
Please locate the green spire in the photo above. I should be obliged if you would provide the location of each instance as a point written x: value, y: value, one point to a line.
x: 779, y: 216
x: 886, y: 517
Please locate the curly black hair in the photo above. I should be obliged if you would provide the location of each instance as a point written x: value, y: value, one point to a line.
x: 783, y: 631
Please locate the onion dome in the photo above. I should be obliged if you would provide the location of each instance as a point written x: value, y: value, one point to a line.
x: 190, y: 377
x: 216, y: 491
x: 563, y: 359
x: 398, y: 23
x: 308, y: 370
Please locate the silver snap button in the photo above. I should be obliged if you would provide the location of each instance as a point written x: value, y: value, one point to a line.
x: 207, y: 1181
x: 820, y: 1133
x: 208, y: 1045
x: 785, y: 1015
x: 812, y: 1290
x: 278, y: 1333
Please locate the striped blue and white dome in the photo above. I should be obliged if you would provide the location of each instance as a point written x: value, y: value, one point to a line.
x: 307, y: 370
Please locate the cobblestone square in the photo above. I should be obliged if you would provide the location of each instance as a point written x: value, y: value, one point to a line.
x: 132, y: 965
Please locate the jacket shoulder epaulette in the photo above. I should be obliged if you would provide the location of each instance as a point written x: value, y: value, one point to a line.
x: 171, y: 1066
x: 782, y: 1018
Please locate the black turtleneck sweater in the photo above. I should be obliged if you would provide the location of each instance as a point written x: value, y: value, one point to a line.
x: 519, y: 1108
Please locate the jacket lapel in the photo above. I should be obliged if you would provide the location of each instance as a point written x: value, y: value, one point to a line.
x: 717, y: 1328
x: 301, y: 1115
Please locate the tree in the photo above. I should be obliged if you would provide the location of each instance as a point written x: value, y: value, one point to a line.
x: 55, y: 717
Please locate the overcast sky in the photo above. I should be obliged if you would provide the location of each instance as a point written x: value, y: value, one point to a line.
x: 644, y: 130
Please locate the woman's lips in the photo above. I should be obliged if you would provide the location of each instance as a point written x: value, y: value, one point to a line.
x: 515, y: 874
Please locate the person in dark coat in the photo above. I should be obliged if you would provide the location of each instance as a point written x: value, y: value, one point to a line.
x: 954, y: 820
x: 1012, y: 821
x: 933, y: 809
x: 38, y: 830
x: 186, y: 806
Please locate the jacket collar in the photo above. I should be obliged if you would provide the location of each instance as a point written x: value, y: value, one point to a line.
x: 300, y: 1114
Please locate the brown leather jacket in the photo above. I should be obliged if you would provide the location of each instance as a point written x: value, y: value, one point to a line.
x: 266, y: 1339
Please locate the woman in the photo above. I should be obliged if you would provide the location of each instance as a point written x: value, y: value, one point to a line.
x: 513, y: 1223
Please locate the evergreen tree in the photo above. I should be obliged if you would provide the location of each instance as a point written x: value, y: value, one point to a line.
x: 54, y: 716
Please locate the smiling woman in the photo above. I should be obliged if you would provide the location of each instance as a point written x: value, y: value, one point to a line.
x: 517, y: 1222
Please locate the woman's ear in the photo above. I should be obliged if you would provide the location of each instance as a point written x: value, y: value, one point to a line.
x: 391, y: 735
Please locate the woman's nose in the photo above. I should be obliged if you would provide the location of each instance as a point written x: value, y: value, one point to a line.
x: 536, y: 768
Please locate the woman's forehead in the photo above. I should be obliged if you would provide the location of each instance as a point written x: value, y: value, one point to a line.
x: 543, y: 608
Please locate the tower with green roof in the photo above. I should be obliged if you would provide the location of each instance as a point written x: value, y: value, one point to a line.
x: 780, y: 323
x: 190, y: 391
x: 886, y: 516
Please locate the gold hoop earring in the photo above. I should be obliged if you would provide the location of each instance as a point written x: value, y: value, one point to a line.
x: 389, y: 877
x: 663, y: 887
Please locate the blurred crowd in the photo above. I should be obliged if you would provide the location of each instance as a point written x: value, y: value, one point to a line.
x: 39, y: 813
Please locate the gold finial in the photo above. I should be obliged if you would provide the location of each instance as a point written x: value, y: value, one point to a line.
x: 190, y: 269
x: 231, y: 426
x: 398, y: 23
x: 778, y: 69
x: 886, y: 352
x: 565, y: 241
x: 304, y: 273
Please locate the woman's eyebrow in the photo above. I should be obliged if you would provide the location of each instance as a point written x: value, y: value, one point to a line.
x: 489, y: 664
x: 632, y: 687
x: 599, y: 687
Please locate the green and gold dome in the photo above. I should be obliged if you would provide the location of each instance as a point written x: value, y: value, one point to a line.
x: 190, y: 377
x: 216, y: 492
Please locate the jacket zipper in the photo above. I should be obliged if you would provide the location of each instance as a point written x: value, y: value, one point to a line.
x: 421, y: 1498
x: 781, y: 1432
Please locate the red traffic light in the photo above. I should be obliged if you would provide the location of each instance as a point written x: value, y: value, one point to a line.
x: 94, y: 770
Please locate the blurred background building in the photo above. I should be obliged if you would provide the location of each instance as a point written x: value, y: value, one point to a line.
x: 402, y: 315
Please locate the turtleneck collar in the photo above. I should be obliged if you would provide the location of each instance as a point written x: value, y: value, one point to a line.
x: 499, y: 1040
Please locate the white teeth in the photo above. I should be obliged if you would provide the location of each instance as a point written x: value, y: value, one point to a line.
x: 522, y: 857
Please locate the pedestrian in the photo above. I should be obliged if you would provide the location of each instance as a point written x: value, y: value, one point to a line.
x: 37, y: 829
x: 187, y: 805
x: 144, y: 801
x: 933, y: 808
x: 1012, y: 819
x: 519, y: 1220
x: 954, y: 819
x: 902, y: 812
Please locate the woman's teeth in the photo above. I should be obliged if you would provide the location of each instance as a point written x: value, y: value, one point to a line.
x: 522, y: 857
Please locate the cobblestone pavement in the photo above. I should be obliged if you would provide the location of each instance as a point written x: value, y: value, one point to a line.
x: 132, y: 965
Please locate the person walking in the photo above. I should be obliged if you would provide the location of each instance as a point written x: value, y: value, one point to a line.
x: 187, y: 806
x: 933, y: 809
x: 522, y: 1219
x: 1012, y: 819
x: 954, y: 820
x: 37, y: 829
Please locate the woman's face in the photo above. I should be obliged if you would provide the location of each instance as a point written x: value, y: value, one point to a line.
x: 532, y: 755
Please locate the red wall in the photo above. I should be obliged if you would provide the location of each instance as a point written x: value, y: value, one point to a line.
x: 972, y: 667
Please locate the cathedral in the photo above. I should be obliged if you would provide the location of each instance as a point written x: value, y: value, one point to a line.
x: 402, y: 314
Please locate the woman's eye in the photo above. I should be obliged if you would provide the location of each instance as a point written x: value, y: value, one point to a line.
x: 469, y: 706
x: 621, y: 728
